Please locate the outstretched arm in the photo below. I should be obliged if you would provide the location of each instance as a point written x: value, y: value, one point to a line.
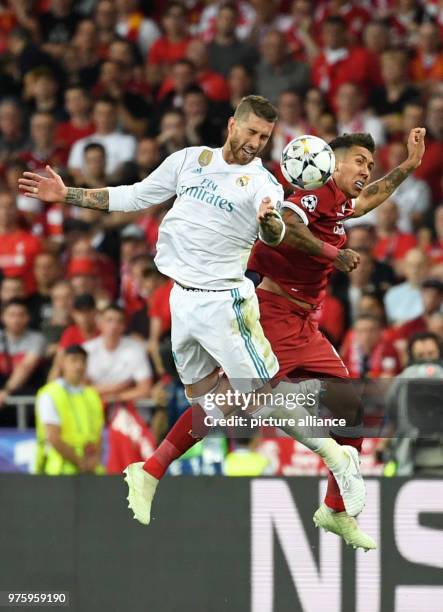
x: 52, y: 189
x: 155, y: 189
x: 376, y: 193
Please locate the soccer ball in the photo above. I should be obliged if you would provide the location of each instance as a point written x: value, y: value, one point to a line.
x: 307, y: 162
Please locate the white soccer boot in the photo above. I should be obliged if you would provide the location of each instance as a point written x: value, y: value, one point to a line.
x: 344, y: 463
x: 344, y: 526
x: 142, y: 488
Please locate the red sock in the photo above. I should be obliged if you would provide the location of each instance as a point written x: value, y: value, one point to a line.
x: 333, y: 499
x: 178, y: 440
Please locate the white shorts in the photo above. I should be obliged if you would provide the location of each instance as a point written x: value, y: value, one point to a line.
x: 220, y: 329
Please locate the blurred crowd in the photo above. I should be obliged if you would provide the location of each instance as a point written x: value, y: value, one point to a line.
x: 104, y: 90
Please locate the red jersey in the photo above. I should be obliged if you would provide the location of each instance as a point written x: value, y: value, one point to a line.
x: 163, y: 51
x: 298, y: 274
x: 18, y: 250
x: 74, y: 335
x: 394, y: 247
x: 384, y: 360
x: 159, y: 305
x: 66, y: 134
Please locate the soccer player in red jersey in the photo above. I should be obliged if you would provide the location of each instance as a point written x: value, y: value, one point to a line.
x: 301, y: 265
x: 294, y: 279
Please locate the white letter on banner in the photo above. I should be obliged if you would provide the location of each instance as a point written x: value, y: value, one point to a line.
x: 273, y: 508
x: 416, y: 543
x: 368, y: 565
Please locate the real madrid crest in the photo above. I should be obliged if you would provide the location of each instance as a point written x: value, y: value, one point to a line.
x: 242, y: 181
x: 205, y: 157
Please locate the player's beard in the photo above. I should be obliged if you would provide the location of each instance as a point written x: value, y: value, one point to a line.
x: 238, y: 154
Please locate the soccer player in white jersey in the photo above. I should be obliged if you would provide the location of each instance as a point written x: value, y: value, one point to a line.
x: 224, y: 198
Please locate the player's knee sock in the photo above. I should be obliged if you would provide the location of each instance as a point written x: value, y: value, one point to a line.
x: 333, y: 499
x: 289, y: 418
x: 178, y: 440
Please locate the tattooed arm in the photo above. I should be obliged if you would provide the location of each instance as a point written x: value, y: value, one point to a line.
x: 155, y: 189
x: 87, y: 198
x: 52, y: 189
x: 300, y: 236
x: 376, y: 193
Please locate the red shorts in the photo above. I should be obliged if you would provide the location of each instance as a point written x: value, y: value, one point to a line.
x: 298, y: 344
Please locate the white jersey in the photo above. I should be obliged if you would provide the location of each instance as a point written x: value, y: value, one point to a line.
x: 206, y: 238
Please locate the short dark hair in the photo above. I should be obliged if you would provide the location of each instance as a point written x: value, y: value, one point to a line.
x: 76, y: 349
x: 259, y: 106
x: 347, y: 141
x: 194, y: 89
x: 113, y: 308
x: 335, y: 20
x: 16, y: 302
x: 184, y: 62
x: 79, y: 87
x: 94, y: 145
x: 369, y: 317
x: 106, y: 100
x: 421, y: 337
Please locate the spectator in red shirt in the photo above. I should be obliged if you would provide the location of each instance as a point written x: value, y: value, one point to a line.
x: 212, y: 83
x: 354, y: 16
x: 435, y: 250
x: 82, y: 250
x: 338, y: 63
x: 392, y: 244
x: 376, y: 38
x: 182, y: 75
x: 18, y: 248
x: 79, y: 125
x: 172, y: 46
x: 427, y: 66
x: 405, y: 17
x: 432, y: 297
x: 301, y: 31
x: 21, y: 351
x: 43, y: 150
x: 133, y: 262
x: 84, y: 274
x: 105, y: 18
x: 84, y: 315
x: 366, y: 353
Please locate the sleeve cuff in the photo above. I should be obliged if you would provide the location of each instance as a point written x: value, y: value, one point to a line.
x: 298, y: 211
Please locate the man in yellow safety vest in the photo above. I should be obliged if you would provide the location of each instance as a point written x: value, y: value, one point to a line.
x: 69, y: 421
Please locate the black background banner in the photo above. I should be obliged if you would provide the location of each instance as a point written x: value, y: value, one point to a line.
x: 217, y: 544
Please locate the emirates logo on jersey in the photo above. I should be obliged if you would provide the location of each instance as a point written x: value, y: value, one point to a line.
x: 309, y: 202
